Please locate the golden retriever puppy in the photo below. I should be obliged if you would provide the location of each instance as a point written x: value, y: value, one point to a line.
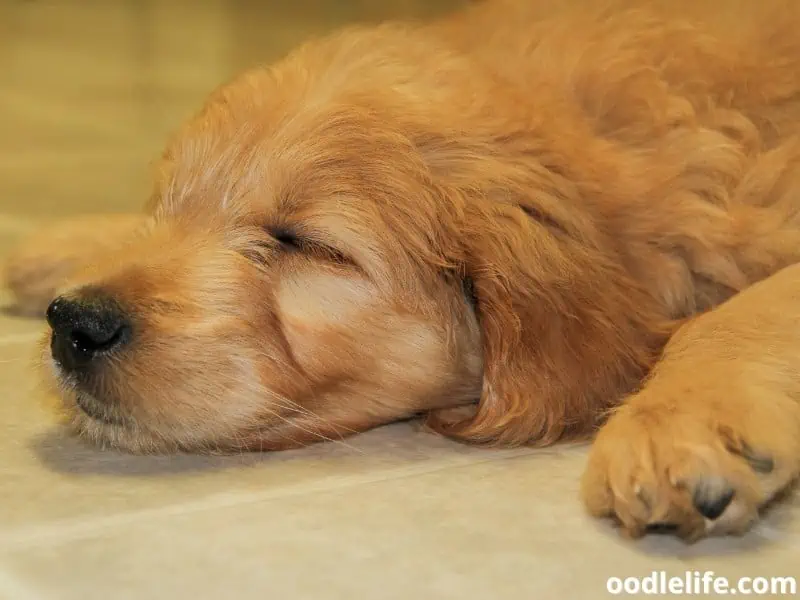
x: 496, y: 220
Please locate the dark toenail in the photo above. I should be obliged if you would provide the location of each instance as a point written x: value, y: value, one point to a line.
x: 760, y: 463
x: 661, y: 528
x: 711, y: 499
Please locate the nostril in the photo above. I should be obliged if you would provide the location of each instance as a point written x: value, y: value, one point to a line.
x: 100, y: 339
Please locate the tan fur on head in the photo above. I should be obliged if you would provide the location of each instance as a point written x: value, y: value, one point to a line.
x: 596, y: 175
x: 209, y: 368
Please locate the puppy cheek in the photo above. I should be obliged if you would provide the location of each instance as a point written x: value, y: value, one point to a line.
x: 325, y: 321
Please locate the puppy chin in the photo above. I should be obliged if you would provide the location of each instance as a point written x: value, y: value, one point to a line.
x: 105, y: 429
x: 96, y: 423
x: 111, y: 429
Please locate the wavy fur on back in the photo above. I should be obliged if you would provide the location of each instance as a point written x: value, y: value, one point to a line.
x: 629, y: 166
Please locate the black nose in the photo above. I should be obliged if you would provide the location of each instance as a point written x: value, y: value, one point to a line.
x: 84, y: 329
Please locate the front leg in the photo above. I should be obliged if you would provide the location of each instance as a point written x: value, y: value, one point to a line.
x: 714, y: 435
x: 45, y: 261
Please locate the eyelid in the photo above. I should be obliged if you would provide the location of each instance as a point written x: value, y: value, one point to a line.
x: 298, y: 242
x: 324, y: 251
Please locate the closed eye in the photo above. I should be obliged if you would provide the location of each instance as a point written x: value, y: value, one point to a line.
x: 287, y: 240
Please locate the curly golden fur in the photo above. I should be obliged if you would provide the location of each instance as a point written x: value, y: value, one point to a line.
x: 497, y: 220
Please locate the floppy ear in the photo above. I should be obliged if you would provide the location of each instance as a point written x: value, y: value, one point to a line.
x: 565, y: 329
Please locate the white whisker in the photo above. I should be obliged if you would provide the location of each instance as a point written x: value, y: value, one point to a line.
x: 312, y: 432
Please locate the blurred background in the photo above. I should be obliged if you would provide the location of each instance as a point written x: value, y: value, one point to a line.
x: 90, y: 89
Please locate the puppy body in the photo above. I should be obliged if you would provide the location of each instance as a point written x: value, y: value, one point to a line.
x: 595, y: 175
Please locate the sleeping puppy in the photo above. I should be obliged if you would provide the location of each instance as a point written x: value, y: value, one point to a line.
x: 497, y: 221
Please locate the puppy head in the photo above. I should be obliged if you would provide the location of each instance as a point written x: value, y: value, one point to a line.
x: 287, y: 288
x: 207, y: 334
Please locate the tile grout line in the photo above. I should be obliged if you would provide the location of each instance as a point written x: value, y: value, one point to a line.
x: 68, y: 530
x: 16, y: 588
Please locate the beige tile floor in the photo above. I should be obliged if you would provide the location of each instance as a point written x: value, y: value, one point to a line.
x: 88, y: 90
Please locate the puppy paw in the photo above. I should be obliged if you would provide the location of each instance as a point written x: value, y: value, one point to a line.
x: 43, y: 262
x: 689, y: 470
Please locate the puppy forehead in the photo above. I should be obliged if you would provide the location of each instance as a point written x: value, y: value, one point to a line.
x: 239, y: 156
x: 316, y: 172
x: 260, y: 189
x: 272, y: 195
